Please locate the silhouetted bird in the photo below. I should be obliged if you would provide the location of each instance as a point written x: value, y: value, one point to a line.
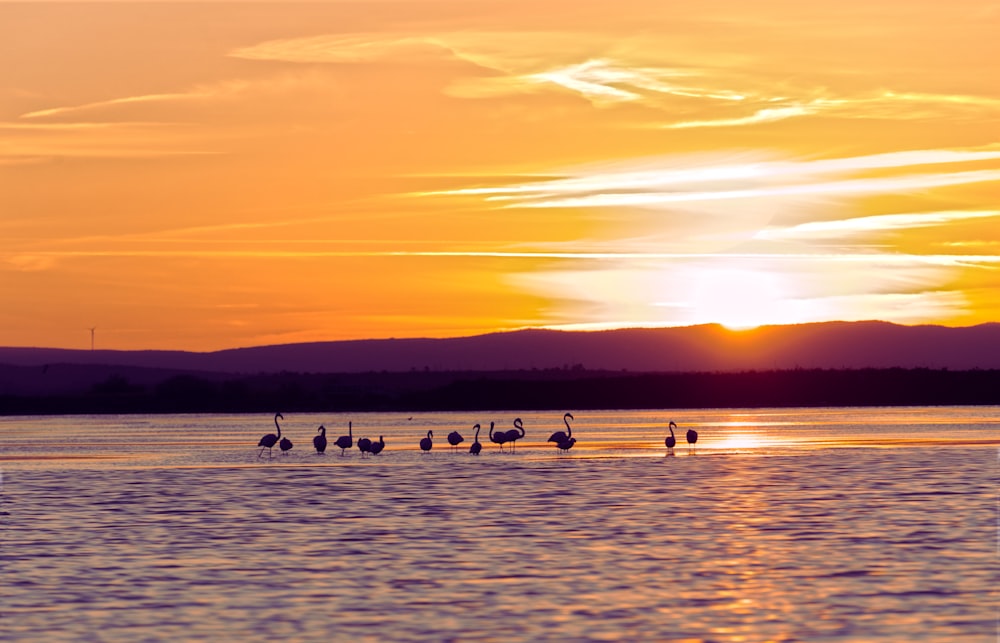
x: 320, y: 440
x: 560, y: 436
x: 692, y: 437
x: 670, y: 441
x: 269, y: 440
x: 515, y: 434
x: 566, y: 444
x: 498, y: 438
x: 476, y: 447
x: 345, y: 442
x: 426, y: 443
x: 286, y: 445
x: 365, y: 446
x: 378, y: 446
x: 455, y: 438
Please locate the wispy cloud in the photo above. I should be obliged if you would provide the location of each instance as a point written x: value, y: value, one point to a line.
x: 512, y: 52
x: 676, y: 181
x: 879, y: 106
x: 766, y: 115
x: 607, y: 73
x: 340, y: 48
x: 848, y: 187
x: 228, y: 88
x: 866, y: 225
x: 723, y: 253
x: 35, y: 142
x: 601, y: 81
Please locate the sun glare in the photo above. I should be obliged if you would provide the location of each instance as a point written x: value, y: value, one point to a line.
x: 739, y: 299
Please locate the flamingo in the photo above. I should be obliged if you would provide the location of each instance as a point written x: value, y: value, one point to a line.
x: 692, y: 437
x: 515, y: 434
x: 269, y: 440
x: 455, y: 438
x: 426, y: 443
x: 365, y: 446
x: 498, y: 438
x: 285, y: 445
x: 378, y: 446
x: 320, y: 440
x: 476, y: 447
x: 562, y: 436
x: 346, y: 441
x: 670, y: 441
x: 566, y: 444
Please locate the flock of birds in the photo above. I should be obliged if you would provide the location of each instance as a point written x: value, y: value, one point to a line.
x: 344, y: 442
x: 563, y: 440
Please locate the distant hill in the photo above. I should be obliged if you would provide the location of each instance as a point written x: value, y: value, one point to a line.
x: 836, y: 345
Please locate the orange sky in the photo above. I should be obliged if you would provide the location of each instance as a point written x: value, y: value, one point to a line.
x: 205, y: 176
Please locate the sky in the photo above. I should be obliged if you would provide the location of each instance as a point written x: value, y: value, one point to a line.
x: 202, y: 176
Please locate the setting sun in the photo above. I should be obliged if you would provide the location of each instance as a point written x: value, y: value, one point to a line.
x: 741, y: 299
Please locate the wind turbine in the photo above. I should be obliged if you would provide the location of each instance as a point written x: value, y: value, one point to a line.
x: 92, y: 329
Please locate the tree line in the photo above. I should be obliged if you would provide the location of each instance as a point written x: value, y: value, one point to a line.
x: 555, y: 389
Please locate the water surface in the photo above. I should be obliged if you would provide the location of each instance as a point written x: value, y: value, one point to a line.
x: 780, y: 525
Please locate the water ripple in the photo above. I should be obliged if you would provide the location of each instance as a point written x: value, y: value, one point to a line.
x: 842, y: 544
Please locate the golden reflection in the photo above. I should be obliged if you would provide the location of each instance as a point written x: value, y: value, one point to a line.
x: 740, y: 441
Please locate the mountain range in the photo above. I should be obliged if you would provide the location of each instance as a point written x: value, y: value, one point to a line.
x: 833, y: 345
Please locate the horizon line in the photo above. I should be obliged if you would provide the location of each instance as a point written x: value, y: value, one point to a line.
x: 556, y: 328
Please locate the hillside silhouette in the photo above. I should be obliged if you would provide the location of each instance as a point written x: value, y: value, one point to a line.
x: 833, y: 345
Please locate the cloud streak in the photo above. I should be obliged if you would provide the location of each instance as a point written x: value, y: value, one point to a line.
x: 867, y: 225
x: 605, y: 73
x: 230, y: 88
x: 641, y: 186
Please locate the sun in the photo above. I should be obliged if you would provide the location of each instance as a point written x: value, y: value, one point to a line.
x: 741, y: 299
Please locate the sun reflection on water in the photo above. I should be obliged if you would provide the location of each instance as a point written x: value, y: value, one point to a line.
x: 740, y: 441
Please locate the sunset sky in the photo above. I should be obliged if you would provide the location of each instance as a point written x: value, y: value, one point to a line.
x: 204, y: 176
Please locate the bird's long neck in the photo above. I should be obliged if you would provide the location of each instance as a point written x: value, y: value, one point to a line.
x: 477, y: 432
x: 381, y: 441
x: 671, y: 430
x: 519, y: 426
x: 277, y: 425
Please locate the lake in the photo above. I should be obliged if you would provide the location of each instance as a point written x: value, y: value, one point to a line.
x: 832, y: 524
